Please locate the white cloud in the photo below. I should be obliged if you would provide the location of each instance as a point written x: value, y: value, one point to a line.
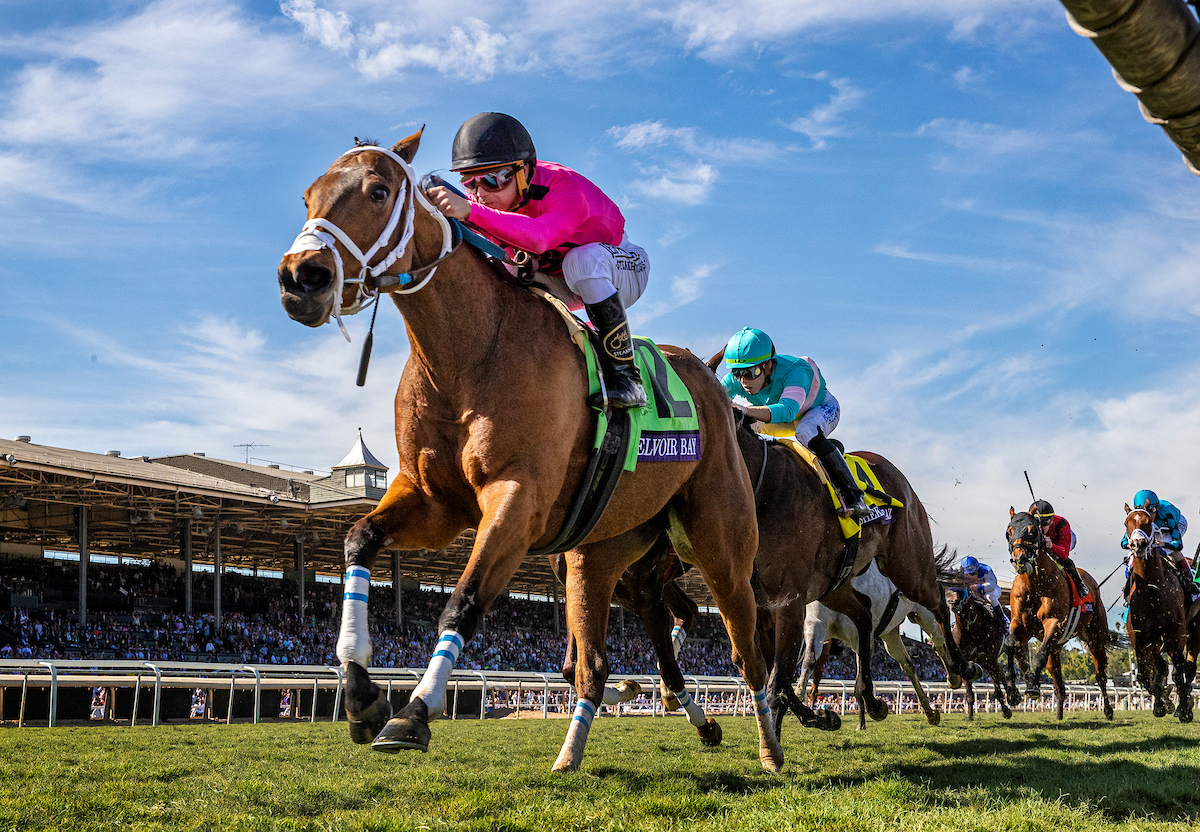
x: 954, y: 260
x: 154, y: 85
x: 684, y: 289
x: 472, y: 53
x: 825, y: 120
x: 330, y: 29
x: 686, y: 184
x: 218, y: 385
x: 981, y: 137
x: 652, y: 135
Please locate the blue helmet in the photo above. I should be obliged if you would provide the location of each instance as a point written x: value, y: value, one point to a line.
x: 748, y: 348
x: 970, y: 565
x: 1145, y: 499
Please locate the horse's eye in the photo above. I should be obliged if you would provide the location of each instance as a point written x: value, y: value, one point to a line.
x: 378, y: 193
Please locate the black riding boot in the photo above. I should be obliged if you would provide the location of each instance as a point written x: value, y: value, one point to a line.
x: 1069, y: 565
x: 839, y: 472
x: 1185, y: 575
x: 621, y: 376
x: 998, y: 614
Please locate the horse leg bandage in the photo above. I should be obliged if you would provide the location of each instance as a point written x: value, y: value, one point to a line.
x: 678, y: 635
x: 432, y: 688
x: 695, y: 713
x: 354, y: 640
x: 759, y: 698
x: 577, y: 734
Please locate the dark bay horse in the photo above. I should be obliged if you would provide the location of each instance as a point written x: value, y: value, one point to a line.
x: 981, y: 638
x: 1157, y: 619
x: 800, y: 545
x: 493, y: 432
x: 1041, y: 607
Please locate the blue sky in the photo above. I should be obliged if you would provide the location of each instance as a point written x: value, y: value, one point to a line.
x: 949, y: 204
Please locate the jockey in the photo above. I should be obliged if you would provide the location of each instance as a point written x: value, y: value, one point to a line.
x: 1058, y: 533
x: 984, y: 586
x: 790, y: 392
x: 565, y: 221
x: 1170, y: 524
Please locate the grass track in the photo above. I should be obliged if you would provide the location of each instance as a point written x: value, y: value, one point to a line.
x: 1029, y: 774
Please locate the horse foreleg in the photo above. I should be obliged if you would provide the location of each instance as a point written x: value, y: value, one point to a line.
x: 591, y: 579
x: 500, y: 546
x: 1097, y: 647
x: 927, y: 621
x: 403, y: 519
x: 1183, y: 687
x: 969, y: 699
x: 895, y: 647
x: 857, y: 607
x: 1056, y: 677
x: 959, y: 666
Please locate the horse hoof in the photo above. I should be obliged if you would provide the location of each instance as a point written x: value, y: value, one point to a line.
x: 877, y: 710
x: 1185, y: 717
x: 1160, y: 710
x: 954, y: 680
x: 628, y: 688
x: 973, y: 673
x: 772, y: 760
x: 669, y: 700
x: 1008, y: 714
x: 828, y: 720
x: 407, y: 731
x: 710, y: 733
x: 935, y: 718
x: 367, y: 708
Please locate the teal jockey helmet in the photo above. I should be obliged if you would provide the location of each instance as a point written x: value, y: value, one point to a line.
x: 748, y: 347
x: 1145, y: 499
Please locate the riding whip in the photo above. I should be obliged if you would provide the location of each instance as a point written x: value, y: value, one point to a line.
x: 1027, y: 482
x: 365, y: 359
x: 1110, y: 574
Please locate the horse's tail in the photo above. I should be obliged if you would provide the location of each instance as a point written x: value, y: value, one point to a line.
x: 945, y: 561
x: 1117, y: 640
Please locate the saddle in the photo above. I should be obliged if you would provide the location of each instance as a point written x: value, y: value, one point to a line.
x: 883, y: 505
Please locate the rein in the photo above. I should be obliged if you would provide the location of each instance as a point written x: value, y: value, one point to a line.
x: 319, y: 233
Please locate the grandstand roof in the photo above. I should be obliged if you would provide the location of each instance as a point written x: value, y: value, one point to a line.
x: 137, y: 506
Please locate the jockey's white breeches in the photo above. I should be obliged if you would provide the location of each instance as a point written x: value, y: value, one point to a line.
x: 824, y: 416
x: 593, y: 271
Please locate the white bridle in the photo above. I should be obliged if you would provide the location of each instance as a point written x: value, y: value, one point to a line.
x: 1155, y: 538
x: 319, y: 233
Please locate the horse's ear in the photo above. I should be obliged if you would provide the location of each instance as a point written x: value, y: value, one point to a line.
x: 1127, y: 508
x: 715, y: 361
x: 1011, y: 512
x: 406, y: 148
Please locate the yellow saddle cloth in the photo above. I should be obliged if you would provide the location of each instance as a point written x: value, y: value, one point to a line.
x: 882, y: 508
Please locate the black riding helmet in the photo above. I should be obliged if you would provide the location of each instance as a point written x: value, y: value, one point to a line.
x: 491, y: 140
x: 1043, y: 511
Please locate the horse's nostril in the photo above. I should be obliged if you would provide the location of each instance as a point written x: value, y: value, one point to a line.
x: 312, y: 277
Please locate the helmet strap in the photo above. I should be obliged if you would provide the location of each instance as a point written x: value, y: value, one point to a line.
x: 522, y: 186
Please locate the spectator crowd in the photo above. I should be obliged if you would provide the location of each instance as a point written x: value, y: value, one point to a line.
x: 136, y: 612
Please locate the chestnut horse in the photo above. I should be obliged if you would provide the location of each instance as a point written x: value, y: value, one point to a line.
x: 981, y: 638
x: 889, y: 609
x: 1041, y: 606
x: 1156, y: 623
x: 493, y: 432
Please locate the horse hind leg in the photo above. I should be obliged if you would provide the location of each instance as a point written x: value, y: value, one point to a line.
x: 895, y: 647
x: 1097, y: 647
x: 1060, y: 687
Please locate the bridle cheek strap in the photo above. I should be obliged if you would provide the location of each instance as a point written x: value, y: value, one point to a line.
x: 319, y: 233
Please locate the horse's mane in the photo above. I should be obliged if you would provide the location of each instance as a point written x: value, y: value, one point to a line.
x: 365, y: 142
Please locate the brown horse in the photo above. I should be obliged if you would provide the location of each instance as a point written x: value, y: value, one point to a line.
x: 1042, y: 608
x: 981, y: 638
x: 1156, y: 623
x: 493, y: 432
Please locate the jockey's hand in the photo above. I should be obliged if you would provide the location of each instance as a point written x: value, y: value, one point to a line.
x: 449, y: 203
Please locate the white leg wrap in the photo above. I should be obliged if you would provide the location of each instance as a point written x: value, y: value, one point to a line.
x: 761, y: 712
x: 577, y: 734
x: 695, y: 713
x: 678, y: 635
x: 432, y: 687
x: 354, y: 640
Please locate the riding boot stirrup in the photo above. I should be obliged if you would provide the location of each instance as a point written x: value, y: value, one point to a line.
x: 854, y: 503
x: 622, y: 378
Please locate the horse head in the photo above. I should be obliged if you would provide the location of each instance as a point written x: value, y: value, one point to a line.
x: 1025, y: 541
x: 1140, y: 531
x: 361, y: 227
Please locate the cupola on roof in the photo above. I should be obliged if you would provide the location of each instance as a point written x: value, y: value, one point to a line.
x: 360, y: 457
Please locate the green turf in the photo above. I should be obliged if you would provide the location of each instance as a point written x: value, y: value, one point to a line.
x: 648, y: 774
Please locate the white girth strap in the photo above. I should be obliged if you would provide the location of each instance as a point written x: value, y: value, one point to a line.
x: 319, y: 233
